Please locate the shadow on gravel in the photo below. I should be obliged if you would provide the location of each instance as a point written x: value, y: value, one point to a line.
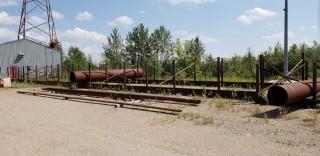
x: 284, y: 110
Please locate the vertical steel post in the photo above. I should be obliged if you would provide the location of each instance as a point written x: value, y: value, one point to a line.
x: 257, y: 78
x: 23, y: 77
x: 89, y: 67
x: 51, y: 71
x: 28, y: 73
x: 107, y: 78
x: 221, y: 71
x: 124, y: 75
x: 286, y: 60
x: 147, y: 77
x: 307, y: 70
x: 36, y: 73
x: 18, y: 72
x: 154, y: 70
x: 314, y: 84
x: 46, y: 72
x: 218, y: 73
x: 194, y: 71
x: 303, y: 62
x: 58, y: 72
x: 174, y: 75
x: 262, y: 63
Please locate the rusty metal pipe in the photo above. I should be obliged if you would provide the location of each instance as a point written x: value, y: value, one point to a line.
x: 100, y: 75
x: 291, y: 93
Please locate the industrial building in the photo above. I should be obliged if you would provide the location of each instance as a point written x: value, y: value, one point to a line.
x: 26, y: 52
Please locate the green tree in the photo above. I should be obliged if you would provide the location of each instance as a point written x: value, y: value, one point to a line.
x: 76, y: 58
x: 138, y: 44
x: 114, y: 49
x: 161, y: 44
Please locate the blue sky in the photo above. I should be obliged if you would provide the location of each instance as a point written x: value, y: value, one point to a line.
x: 227, y: 27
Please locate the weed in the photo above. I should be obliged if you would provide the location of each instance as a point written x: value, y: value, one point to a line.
x: 311, y: 118
x: 197, y: 119
x: 256, y: 110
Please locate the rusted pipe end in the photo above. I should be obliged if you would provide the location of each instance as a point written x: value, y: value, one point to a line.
x: 278, y: 96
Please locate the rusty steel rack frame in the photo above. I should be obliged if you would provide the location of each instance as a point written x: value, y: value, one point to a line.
x: 108, y: 102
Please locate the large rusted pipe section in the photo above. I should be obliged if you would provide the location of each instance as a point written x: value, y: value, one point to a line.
x: 100, y: 75
x: 291, y: 93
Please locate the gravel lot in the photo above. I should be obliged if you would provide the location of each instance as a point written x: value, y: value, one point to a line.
x: 37, y: 126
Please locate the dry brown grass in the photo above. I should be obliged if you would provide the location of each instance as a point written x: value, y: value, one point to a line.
x: 196, y: 118
x: 311, y: 117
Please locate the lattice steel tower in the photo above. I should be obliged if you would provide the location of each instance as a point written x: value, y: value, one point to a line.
x: 37, y: 24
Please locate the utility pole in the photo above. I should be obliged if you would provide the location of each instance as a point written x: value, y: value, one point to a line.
x: 286, y: 57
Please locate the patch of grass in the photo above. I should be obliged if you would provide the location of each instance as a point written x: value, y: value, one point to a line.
x: 311, y: 117
x: 222, y: 104
x: 256, y: 110
x: 164, y: 121
x: 197, y: 119
x: 291, y: 117
x: 286, y: 142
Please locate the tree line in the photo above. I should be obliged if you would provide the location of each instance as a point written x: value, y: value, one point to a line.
x: 158, y: 49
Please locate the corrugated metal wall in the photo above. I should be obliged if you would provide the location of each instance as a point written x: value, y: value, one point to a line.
x: 34, y: 54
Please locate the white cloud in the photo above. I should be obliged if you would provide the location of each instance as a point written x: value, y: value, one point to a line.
x: 7, y: 34
x: 123, y: 21
x: 6, y: 19
x: 175, y: 2
x: 277, y: 36
x: 35, y: 20
x: 185, y: 35
x: 57, y: 15
x: 84, y: 16
x: 256, y: 14
x: 82, y: 35
x: 90, y: 42
x: 6, y: 3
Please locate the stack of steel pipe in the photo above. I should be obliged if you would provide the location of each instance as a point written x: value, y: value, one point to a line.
x: 100, y: 75
x: 292, y: 93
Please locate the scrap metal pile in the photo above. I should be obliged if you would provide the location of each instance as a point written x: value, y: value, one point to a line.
x: 137, y: 101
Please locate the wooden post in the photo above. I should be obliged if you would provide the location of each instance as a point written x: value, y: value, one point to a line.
x: 262, y: 62
x: 58, y: 72
x: 303, y: 62
x: 174, y: 75
x: 8, y: 72
x: 221, y: 71
x: 314, y: 84
x: 257, y: 78
x: 147, y: 75
x: 36, y: 73
x: 218, y: 73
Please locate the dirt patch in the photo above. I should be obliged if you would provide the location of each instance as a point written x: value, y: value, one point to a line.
x: 42, y: 126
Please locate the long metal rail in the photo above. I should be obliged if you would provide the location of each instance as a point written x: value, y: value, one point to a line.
x: 125, y: 95
x: 114, y: 103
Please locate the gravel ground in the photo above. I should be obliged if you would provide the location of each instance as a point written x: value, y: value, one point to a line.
x: 40, y: 126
